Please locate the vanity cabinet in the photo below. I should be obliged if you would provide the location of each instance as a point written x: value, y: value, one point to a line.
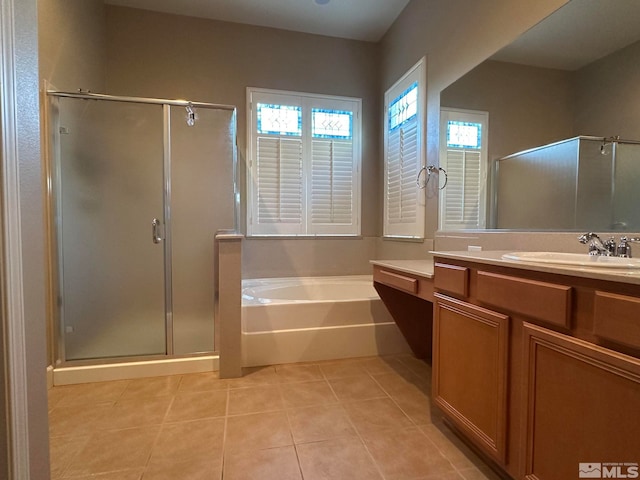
x: 406, y: 296
x: 582, y: 405
x: 540, y: 371
x: 470, y: 361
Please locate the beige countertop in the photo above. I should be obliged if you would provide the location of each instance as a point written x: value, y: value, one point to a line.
x: 423, y: 267
x: 494, y: 257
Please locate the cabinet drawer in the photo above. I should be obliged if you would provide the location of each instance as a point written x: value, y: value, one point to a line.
x: 396, y: 280
x: 451, y: 278
x: 544, y: 301
x: 617, y: 318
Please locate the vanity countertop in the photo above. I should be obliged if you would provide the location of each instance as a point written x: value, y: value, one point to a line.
x: 422, y: 268
x: 494, y: 257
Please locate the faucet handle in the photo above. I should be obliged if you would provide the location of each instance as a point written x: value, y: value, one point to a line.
x: 610, y: 245
x: 624, y: 249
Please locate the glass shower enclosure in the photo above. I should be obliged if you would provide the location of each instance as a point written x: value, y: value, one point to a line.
x: 138, y: 189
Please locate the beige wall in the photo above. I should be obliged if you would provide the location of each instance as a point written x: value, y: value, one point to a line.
x: 71, y: 42
x: 455, y: 36
x: 528, y: 106
x: 608, y: 95
x: 168, y: 56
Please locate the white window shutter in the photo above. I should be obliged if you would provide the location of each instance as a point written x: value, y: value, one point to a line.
x: 403, y: 168
x: 279, y: 186
x: 462, y: 197
x: 332, y: 186
x: 304, y: 162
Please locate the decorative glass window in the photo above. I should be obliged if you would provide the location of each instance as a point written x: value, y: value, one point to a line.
x: 464, y: 134
x: 304, y: 157
x: 279, y: 119
x: 404, y: 107
x: 331, y: 123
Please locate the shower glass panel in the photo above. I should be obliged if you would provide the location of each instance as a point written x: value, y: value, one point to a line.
x: 202, y: 202
x: 110, y: 188
x: 626, y: 197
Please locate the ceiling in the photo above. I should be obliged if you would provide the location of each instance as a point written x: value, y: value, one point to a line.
x: 579, y: 33
x: 354, y: 19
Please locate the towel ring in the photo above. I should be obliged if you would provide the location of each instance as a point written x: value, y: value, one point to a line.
x: 431, y: 169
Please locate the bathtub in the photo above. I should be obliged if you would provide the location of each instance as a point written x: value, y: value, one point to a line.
x: 286, y: 320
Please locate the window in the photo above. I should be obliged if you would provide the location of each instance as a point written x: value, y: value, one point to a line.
x: 404, y: 211
x: 463, y: 154
x: 304, y: 164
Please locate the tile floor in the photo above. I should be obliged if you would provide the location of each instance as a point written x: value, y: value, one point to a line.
x: 350, y: 419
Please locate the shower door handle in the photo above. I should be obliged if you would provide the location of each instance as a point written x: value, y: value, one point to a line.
x: 155, y: 231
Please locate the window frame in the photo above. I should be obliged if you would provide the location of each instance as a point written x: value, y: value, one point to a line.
x: 416, y: 229
x: 308, y: 102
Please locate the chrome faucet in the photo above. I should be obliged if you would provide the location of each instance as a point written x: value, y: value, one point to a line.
x: 597, y: 246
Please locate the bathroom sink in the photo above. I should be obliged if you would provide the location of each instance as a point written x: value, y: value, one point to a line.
x: 575, y: 259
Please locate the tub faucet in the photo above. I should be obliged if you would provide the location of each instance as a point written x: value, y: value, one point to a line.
x: 597, y: 246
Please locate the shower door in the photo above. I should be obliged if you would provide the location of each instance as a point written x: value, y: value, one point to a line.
x: 111, y: 228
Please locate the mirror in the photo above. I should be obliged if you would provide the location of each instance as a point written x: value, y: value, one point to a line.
x: 575, y: 74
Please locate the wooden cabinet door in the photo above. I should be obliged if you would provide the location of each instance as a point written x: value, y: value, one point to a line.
x: 582, y: 406
x: 470, y: 354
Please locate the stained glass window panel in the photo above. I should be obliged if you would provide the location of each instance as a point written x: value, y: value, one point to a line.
x: 279, y: 119
x: 332, y: 123
x: 464, y: 134
x: 404, y: 107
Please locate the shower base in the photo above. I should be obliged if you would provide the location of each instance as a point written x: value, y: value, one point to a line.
x: 70, y: 375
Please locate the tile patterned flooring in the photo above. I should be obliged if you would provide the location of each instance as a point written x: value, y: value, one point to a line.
x: 349, y: 419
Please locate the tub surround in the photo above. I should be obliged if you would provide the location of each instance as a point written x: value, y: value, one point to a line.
x: 227, y: 269
x: 288, y: 320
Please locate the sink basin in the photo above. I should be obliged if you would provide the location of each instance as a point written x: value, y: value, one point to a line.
x: 575, y: 259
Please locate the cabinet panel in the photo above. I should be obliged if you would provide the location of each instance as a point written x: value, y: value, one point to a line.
x: 397, y: 280
x: 616, y: 318
x: 470, y: 354
x: 541, y: 300
x: 451, y: 278
x: 582, y: 404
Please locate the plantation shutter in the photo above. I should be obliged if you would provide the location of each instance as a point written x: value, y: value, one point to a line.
x: 279, y: 185
x: 404, y: 209
x: 462, y: 197
x: 464, y: 157
x: 332, y: 184
x: 304, y: 164
x: 403, y: 167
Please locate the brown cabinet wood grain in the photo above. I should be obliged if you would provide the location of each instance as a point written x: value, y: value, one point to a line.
x: 451, y: 278
x: 582, y: 405
x: 470, y: 359
x: 544, y: 301
x: 397, y: 280
x: 617, y: 318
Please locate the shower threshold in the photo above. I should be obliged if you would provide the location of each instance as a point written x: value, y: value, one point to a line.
x: 70, y: 374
